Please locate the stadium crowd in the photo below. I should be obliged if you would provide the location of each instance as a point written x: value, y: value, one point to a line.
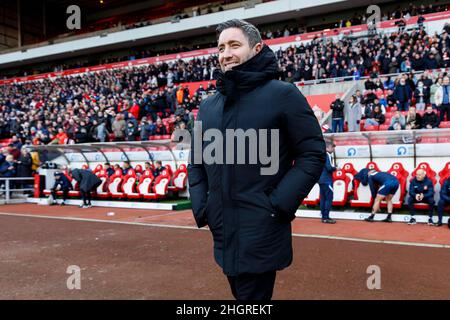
x: 407, y: 102
x: 137, y: 103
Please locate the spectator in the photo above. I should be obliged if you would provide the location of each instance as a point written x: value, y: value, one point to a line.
x: 160, y: 129
x: 107, y: 167
x: 422, y: 96
x: 375, y: 119
x: 413, y: 119
x: 337, y: 122
x: 403, y: 95
x: 353, y: 115
x: 397, y: 121
x: 118, y: 127
x: 126, y: 167
x: 101, y: 132
x: 421, y: 190
x: 24, y: 167
x: 433, y: 89
x: 131, y: 132
x: 159, y: 168
x: 442, y: 99
x: 430, y: 119
x: 7, y: 168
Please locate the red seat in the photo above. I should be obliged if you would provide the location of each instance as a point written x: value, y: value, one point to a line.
x: 72, y: 193
x: 372, y: 128
x: 138, y: 169
x: 102, y: 190
x: 129, y: 185
x: 384, y: 127
x: 145, y: 183
x: 350, y: 171
x: 444, y: 173
x: 340, y: 188
x: 444, y: 124
x: 313, y: 197
x: 362, y: 197
x: 114, y: 184
x: 372, y: 165
x: 399, y: 196
x: 398, y: 166
x: 179, y: 179
x: 98, y: 168
x: 430, y: 173
x: 160, y: 186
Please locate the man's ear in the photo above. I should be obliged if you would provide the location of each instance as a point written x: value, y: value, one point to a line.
x: 257, y: 48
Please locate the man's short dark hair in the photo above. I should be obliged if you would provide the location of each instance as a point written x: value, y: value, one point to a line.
x: 250, y: 31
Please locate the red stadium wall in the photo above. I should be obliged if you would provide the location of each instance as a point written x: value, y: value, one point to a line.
x: 322, y: 100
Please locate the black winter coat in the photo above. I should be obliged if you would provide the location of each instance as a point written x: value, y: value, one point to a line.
x: 86, y: 179
x: 24, y: 167
x: 249, y: 214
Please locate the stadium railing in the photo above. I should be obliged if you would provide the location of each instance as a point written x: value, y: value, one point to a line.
x: 9, y: 185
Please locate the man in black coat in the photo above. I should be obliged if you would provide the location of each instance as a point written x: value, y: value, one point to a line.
x: 337, y: 122
x: 249, y: 206
x: 87, y: 182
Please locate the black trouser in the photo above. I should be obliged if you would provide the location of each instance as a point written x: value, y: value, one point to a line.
x: 429, y: 201
x: 444, y: 109
x: 441, y: 206
x: 86, y: 195
x: 326, y: 200
x: 64, y: 191
x: 251, y: 286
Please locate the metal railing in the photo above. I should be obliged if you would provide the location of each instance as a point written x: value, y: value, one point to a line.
x: 7, y: 187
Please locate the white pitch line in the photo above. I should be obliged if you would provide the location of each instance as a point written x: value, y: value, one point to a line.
x: 315, y: 236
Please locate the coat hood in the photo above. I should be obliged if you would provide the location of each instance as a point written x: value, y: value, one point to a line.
x: 363, y: 176
x: 248, y: 75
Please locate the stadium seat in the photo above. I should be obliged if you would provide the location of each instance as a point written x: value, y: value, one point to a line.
x: 444, y: 173
x: 179, y: 179
x: 129, y: 185
x: 98, y: 168
x: 362, y: 196
x: 115, y: 181
x: 102, y: 190
x: 160, y: 187
x: 372, y: 165
x: 350, y: 171
x: 384, y: 127
x: 398, y: 166
x: 444, y: 124
x: 138, y: 169
x: 424, y: 165
x: 145, y: 183
x: 340, y: 188
x: 399, y: 196
x: 371, y: 128
x: 313, y: 197
x: 72, y: 193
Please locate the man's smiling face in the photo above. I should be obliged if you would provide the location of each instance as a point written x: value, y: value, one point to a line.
x: 234, y: 48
